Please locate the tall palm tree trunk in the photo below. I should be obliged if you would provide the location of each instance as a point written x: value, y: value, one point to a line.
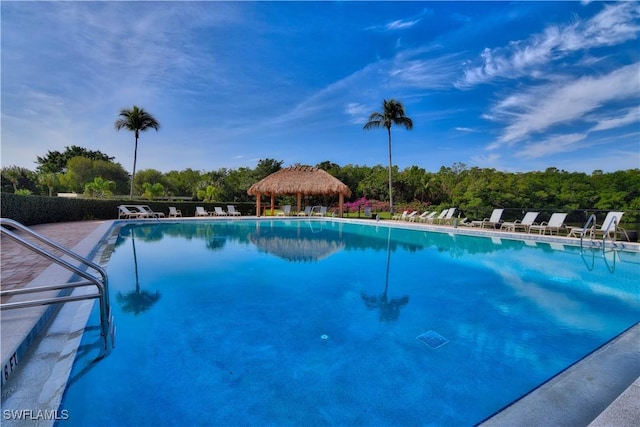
x: 135, y: 158
x: 390, y: 167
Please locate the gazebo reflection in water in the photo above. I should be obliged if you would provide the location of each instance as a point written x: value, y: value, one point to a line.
x: 301, y: 244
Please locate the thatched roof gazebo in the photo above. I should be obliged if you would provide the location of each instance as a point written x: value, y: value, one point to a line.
x: 299, y: 180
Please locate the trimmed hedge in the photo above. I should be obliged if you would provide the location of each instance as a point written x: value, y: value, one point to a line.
x: 32, y: 210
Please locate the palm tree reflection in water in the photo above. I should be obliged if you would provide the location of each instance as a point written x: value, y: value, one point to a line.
x: 389, y: 308
x: 138, y: 300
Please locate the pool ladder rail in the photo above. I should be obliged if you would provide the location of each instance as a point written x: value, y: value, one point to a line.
x: 107, y: 325
x: 592, y: 221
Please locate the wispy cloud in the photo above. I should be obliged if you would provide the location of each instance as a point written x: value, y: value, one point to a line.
x: 614, y: 24
x: 486, y: 160
x: 551, y: 145
x: 407, y: 71
x: 357, y: 112
x: 402, y: 24
x: 632, y: 116
x: 418, y: 68
x: 527, y: 112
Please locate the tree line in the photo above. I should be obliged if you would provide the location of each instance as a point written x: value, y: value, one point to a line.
x: 467, y: 188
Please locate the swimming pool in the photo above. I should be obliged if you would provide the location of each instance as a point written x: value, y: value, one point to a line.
x: 326, y: 322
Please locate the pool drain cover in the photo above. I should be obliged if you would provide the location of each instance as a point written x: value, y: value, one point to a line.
x: 432, y: 339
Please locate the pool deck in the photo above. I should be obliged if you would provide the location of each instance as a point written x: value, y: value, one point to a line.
x: 601, y: 390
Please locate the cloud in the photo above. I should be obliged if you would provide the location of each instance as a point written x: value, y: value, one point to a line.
x: 407, y: 71
x: 415, y: 69
x: 632, y: 116
x: 359, y: 113
x: 463, y: 129
x: 488, y: 160
x: 552, y: 145
x: 615, y: 24
x: 567, y: 102
x: 402, y: 24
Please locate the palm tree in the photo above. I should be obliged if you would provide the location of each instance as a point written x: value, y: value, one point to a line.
x: 99, y: 188
x: 139, y: 300
x: 389, y: 309
x: 136, y: 120
x: 392, y: 113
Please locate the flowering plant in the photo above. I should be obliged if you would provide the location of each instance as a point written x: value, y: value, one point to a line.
x: 356, y: 205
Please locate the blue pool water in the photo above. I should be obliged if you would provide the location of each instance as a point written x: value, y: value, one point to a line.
x: 331, y: 323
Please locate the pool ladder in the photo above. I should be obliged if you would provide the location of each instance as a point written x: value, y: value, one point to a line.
x: 613, y: 223
x: 107, y: 325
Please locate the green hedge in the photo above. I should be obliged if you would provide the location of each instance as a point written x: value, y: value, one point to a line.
x: 32, y: 210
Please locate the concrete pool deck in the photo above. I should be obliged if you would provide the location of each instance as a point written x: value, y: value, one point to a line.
x: 601, y: 390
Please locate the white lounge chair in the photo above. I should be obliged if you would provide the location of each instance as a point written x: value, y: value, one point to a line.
x: 491, y: 221
x: 217, y: 210
x: 285, y: 211
x: 606, y: 227
x: 527, y: 221
x: 173, y: 212
x: 428, y: 217
x: 448, y: 218
x: 556, y: 222
x: 129, y: 212
x: 150, y: 213
x: 201, y: 212
x: 434, y: 220
x: 400, y: 216
x: 411, y: 217
x: 232, y: 211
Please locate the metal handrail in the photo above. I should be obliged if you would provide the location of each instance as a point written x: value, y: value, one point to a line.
x: 586, y: 225
x: 614, y: 222
x: 106, y: 320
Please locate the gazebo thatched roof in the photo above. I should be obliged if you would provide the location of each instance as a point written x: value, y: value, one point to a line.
x: 305, y: 180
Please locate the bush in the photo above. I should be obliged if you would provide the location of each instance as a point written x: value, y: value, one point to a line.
x: 32, y: 210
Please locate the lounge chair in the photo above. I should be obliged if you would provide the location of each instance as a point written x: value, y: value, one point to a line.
x: 306, y: 212
x: 465, y: 221
x: 232, y: 211
x: 434, y: 220
x: 201, y: 212
x: 322, y: 211
x: 492, y: 221
x: 411, y: 217
x: 150, y: 213
x: 173, y: 212
x: 403, y: 215
x: 556, y: 222
x: 125, y: 213
x: 527, y: 221
x: 448, y: 218
x: 428, y: 217
x: 217, y: 211
x: 605, y: 228
x: 286, y: 211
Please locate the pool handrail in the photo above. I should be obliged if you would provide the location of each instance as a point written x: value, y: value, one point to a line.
x: 106, y: 318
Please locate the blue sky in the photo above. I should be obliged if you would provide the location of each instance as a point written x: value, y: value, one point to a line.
x: 515, y: 86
